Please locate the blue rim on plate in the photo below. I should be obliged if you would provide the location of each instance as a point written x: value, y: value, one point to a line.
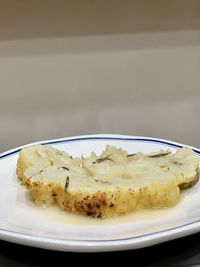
x: 101, y: 245
x: 102, y: 137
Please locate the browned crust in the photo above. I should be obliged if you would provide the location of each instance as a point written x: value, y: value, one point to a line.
x: 102, y: 204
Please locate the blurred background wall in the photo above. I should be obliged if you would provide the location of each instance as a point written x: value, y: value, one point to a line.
x: 99, y: 66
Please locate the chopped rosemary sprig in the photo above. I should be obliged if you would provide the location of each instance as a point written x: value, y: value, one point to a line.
x: 162, y: 154
x: 66, y: 183
x: 99, y: 160
x: 103, y: 182
x: 131, y: 155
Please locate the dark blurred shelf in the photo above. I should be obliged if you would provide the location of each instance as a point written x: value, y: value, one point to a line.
x: 181, y: 252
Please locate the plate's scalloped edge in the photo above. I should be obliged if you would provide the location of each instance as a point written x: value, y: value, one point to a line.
x: 101, y: 137
x: 100, y: 245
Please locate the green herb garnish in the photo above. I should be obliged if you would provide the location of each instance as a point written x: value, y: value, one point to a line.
x: 99, y: 160
x: 66, y: 183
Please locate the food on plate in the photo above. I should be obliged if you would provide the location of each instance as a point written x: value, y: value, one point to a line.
x: 107, y: 185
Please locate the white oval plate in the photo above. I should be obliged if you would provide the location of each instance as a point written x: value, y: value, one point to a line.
x: 22, y: 222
